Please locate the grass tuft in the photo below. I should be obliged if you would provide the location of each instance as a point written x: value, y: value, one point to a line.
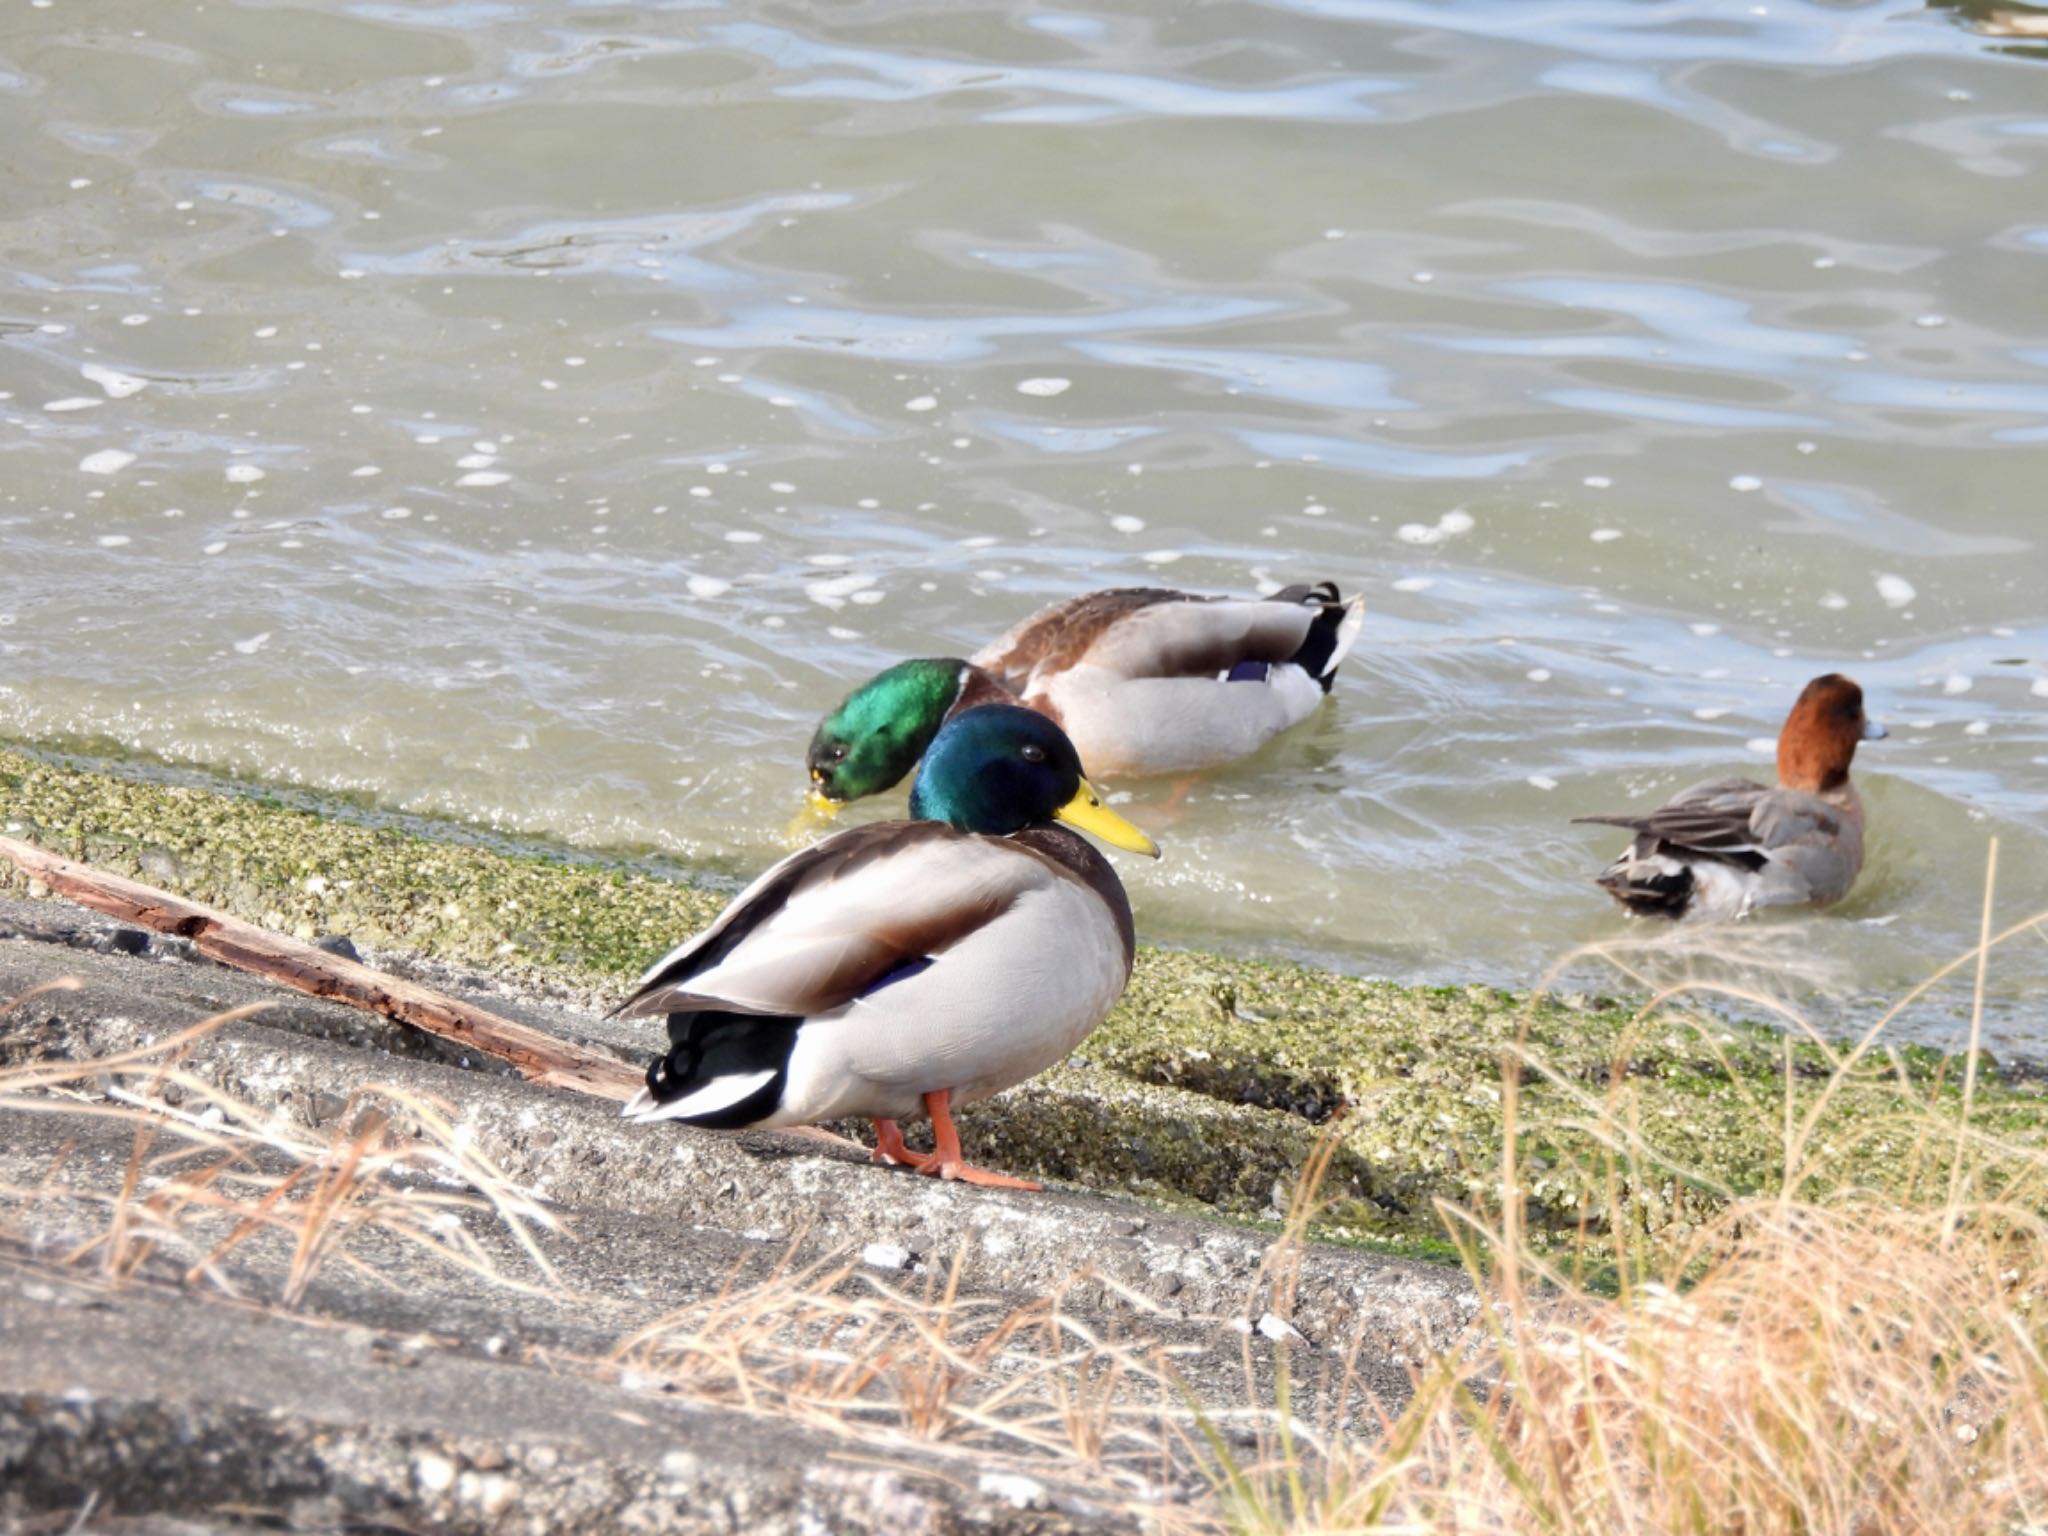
x: 1815, y: 1357
x: 207, y: 1175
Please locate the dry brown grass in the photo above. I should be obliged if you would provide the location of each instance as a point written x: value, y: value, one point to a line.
x: 831, y: 1344
x: 1812, y: 1360
x: 1853, y: 1369
x: 208, y: 1176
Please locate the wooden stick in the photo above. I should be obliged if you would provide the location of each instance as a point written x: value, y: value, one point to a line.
x: 535, y: 1055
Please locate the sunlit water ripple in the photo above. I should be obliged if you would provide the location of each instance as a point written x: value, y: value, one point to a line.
x: 537, y: 414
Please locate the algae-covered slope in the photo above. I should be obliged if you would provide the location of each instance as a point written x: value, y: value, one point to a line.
x: 1209, y: 1083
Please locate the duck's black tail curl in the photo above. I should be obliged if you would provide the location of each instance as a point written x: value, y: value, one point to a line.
x: 1648, y: 888
x: 1329, y: 635
x: 725, y: 1070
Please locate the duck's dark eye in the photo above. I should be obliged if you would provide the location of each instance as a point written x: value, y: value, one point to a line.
x: 1031, y: 752
x: 837, y: 754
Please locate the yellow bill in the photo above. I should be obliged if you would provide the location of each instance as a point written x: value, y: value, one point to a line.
x: 1087, y: 812
x: 815, y: 817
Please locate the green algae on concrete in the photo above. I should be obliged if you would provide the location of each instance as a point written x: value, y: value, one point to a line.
x: 307, y: 874
x: 1210, y: 1082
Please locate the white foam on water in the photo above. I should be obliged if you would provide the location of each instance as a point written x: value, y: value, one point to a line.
x: 253, y: 644
x: 108, y: 461
x: 1605, y: 535
x: 1745, y: 483
x: 1414, y: 584
x: 1896, y: 590
x: 215, y: 549
x: 73, y: 403
x: 1977, y: 728
x: 476, y: 461
x: 1451, y: 524
x: 1542, y: 781
x: 1957, y: 682
x: 395, y: 514
x: 1766, y: 746
x: 1163, y: 556
x: 118, y: 385
x: 1124, y: 522
x: 364, y: 472
x: 482, y: 477
x: 1833, y: 600
x: 742, y: 536
x: 833, y: 591
x: 113, y: 540
x: 922, y: 403
x: 244, y: 474
x: 1598, y: 482
x: 707, y: 586
x: 1711, y: 713
x: 1538, y: 674
x: 1044, y: 388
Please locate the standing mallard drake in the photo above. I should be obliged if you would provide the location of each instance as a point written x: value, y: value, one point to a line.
x: 906, y: 966
x: 1721, y: 849
x: 1144, y: 680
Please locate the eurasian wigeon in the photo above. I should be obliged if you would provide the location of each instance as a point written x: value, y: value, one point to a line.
x: 1721, y: 849
x: 1145, y: 680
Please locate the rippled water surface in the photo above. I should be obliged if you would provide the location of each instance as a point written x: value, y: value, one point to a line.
x: 538, y: 413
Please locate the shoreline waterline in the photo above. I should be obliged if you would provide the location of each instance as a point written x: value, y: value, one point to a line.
x: 1207, y: 1087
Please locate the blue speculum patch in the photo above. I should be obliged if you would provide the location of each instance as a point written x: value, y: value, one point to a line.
x: 901, y: 971
x: 1248, y: 672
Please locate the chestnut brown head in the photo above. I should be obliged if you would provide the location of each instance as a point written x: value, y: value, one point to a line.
x: 1820, y: 735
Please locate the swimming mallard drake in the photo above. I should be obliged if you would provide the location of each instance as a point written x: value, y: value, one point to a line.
x: 906, y: 966
x: 1721, y: 849
x: 1144, y: 680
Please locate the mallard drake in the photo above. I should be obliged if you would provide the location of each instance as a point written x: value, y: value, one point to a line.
x: 1720, y: 850
x: 905, y: 967
x: 1144, y: 680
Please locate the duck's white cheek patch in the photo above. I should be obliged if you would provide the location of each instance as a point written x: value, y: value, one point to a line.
x: 719, y: 1093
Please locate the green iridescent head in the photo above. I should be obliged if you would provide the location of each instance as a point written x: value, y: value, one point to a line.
x: 877, y: 735
x: 1000, y: 768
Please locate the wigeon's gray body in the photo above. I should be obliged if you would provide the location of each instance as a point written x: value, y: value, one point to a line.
x: 1721, y: 849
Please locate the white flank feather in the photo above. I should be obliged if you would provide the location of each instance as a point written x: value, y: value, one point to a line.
x: 719, y: 1093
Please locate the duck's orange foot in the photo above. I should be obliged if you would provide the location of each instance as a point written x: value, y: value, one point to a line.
x: 946, y: 1162
x: 890, y: 1149
x: 966, y: 1174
